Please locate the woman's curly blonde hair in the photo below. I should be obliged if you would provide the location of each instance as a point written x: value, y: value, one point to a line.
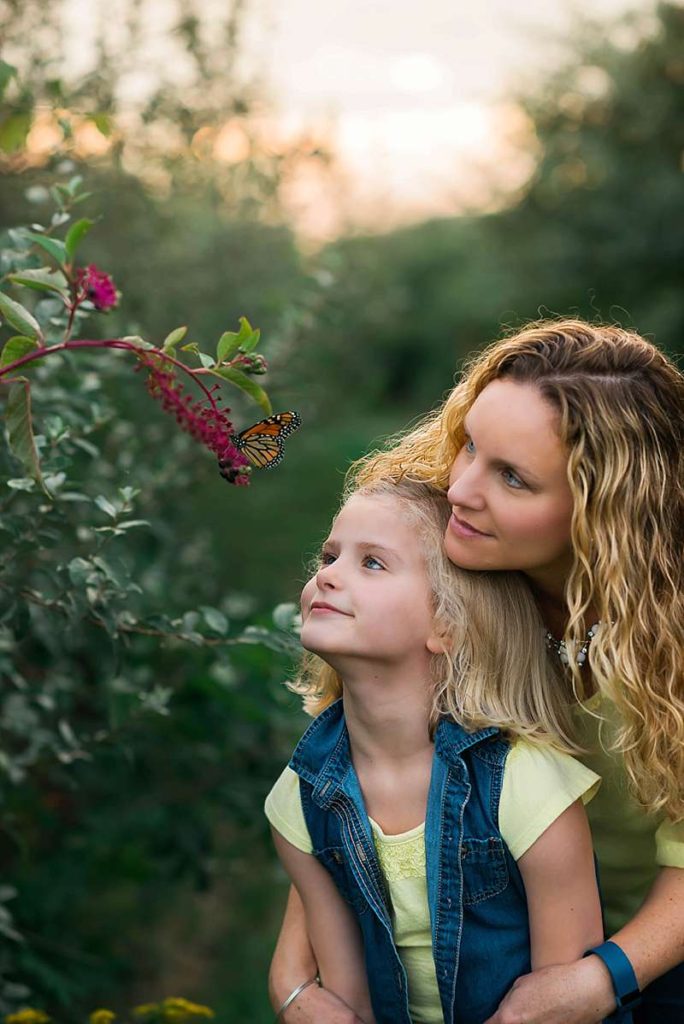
x: 494, y: 668
x: 621, y: 411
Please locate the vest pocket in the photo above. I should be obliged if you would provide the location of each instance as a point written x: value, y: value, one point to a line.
x: 336, y: 861
x: 485, y: 872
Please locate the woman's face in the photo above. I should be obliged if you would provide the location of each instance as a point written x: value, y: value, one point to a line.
x: 512, y: 504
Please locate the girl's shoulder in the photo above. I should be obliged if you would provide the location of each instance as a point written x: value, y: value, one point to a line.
x: 539, y: 783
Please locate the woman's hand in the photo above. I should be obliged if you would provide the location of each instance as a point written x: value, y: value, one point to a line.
x: 577, y: 993
x: 318, y: 1006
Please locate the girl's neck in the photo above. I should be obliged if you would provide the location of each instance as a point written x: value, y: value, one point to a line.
x: 387, y: 714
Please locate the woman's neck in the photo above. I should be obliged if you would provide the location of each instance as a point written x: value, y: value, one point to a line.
x: 550, y: 598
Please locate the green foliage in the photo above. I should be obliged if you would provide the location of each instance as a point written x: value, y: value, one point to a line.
x: 98, y: 652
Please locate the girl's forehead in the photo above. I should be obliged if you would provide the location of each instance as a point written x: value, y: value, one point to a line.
x: 378, y: 510
x: 377, y: 519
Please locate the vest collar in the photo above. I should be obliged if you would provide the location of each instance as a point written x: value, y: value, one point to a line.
x: 323, y: 757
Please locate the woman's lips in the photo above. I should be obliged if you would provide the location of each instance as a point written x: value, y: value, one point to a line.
x: 463, y: 529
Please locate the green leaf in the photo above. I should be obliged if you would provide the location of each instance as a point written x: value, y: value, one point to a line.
x: 227, y: 344
x: 103, y: 123
x: 246, y: 384
x: 215, y: 620
x: 52, y: 246
x: 42, y: 280
x: 173, y: 339
x: 15, y: 348
x: 192, y: 346
x: 13, y: 131
x: 252, y: 341
x: 205, y: 360
x: 75, y: 235
x: 106, y: 506
x: 20, y: 318
x: 20, y: 427
x: 230, y: 342
x: 7, y: 73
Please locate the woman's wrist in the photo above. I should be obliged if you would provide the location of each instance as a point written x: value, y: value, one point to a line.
x: 596, y: 980
x: 293, y: 995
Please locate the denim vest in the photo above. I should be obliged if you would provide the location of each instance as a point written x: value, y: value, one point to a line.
x: 476, y: 897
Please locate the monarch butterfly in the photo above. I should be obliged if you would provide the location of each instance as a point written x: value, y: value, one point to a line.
x: 262, y: 443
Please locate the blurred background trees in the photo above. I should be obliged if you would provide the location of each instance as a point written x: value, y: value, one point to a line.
x: 144, y: 868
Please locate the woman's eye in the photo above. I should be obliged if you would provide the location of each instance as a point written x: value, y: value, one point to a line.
x: 512, y: 479
x: 326, y: 558
x: 372, y: 563
x: 469, y: 447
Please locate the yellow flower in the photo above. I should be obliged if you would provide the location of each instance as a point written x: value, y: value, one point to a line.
x: 177, y: 1010
x: 27, y: 1016
x: 101, y: 1017
x: 145, y: 1009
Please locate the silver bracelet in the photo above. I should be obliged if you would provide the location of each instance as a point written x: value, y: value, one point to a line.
x: 293, y: 995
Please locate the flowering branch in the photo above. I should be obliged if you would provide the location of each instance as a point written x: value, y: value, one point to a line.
x: 82, y: 289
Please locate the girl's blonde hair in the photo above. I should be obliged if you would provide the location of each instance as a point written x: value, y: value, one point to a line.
x: 621, y: 415
x: 494, y: 669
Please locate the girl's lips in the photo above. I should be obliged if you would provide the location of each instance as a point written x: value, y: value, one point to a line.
x: 323, y: 609
x: 463, y: 529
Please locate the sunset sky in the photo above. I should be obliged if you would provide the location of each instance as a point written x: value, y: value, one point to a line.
x: 417, y: 99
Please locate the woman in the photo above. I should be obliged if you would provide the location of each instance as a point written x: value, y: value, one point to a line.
x: 563, y: 452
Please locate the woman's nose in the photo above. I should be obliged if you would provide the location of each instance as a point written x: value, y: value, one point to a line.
x: 465, y: 489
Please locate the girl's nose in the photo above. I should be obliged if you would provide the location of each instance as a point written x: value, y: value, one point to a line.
x: 327, y: 575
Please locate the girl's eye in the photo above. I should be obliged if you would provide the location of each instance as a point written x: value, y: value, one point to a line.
x: 372, y: 563
x: 469, y: 447
x: 512, y: 479
x: 326, y: 558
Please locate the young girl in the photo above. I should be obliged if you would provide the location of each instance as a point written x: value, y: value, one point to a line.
x: 437, y: 857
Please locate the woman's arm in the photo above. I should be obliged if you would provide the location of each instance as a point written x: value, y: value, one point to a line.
x: 582, y: 992
x: 333, y: 932
x: 563, y: 900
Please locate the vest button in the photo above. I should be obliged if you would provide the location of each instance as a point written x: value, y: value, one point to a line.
x: 337, y: 856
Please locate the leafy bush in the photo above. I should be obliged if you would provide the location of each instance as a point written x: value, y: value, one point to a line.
x: 113, y: 613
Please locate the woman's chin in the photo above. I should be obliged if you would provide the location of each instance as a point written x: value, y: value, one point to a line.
x: 463, y: 555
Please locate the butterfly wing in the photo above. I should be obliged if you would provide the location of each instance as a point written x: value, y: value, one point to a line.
x: 262, y: 443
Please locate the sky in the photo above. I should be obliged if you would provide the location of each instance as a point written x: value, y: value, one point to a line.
x: 417, y: 99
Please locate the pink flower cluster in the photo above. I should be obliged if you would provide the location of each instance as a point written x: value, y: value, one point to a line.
x: 97, y: 286
x: 206, y: 423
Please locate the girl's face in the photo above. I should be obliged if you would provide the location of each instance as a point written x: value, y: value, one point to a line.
x: 370, y: 598
x: 512, y: 504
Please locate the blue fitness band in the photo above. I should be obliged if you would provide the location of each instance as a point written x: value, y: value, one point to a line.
x: 625, y: 984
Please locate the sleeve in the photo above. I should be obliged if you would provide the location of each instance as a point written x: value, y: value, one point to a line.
x: 283, y: 809
x: 539, y: 784
x: 670, y: 844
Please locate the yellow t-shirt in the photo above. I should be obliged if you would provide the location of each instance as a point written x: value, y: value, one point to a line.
x: 539, y: 784
x: 630, y: 844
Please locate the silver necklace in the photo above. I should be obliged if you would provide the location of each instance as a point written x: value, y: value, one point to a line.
x: 561, y: 648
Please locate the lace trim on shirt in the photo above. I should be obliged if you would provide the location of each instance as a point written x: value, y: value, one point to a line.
x: 401, y: 860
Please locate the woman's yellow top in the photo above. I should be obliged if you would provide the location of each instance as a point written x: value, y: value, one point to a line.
x: 630, y: 845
